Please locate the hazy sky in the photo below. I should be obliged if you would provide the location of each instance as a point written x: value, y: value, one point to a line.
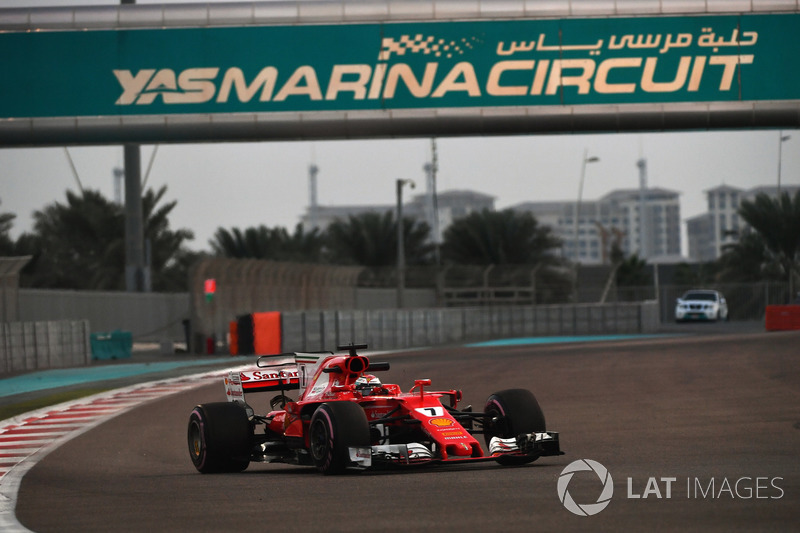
x: 248, y: 184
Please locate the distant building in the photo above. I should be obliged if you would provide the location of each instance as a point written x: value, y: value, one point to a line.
x: 721, y: 225
x: 451, y: 205
x: 325, y: 215
x: 700, y: 235
x: 614, y: 218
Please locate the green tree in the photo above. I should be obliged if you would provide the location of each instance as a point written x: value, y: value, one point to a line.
x: 370, y: 239
x: 169, y: 258
x: 748, y: 260
x: 777, y: 222
x: 501, y: 238
x: 633, y: 272
x: 269, y: 243
x: 252, y: 243
x: 80, y: 244
x: 6, y: 242
x: 304, y: 246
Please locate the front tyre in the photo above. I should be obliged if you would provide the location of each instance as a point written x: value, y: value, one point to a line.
x: 219, y: 436
x: 508, y: 414
x: 334, y: 428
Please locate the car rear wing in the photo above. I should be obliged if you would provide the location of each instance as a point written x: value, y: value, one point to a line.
x: 275, y: 373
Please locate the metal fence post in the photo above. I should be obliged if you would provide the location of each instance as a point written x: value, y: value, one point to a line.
x: 322, y: 330
x: 336, y: 326
x: 463, y: 323
x: 639, y: 318
x: 410, y: 328
x: 303, y: 333
x: 381, y: 327
x: 575, y: 319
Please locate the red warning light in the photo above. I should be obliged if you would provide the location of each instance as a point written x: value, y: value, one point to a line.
x: 210, y: 287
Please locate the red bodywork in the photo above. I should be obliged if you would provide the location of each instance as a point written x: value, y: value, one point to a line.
x: 429, y: 420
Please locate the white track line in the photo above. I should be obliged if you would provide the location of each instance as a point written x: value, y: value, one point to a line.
x: 26, y: 439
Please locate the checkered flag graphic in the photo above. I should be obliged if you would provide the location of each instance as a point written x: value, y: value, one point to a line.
x: 427, y: 45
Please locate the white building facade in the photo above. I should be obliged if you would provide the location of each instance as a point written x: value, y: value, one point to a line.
x: 614, y: 220
x: 709, y: 232
x: 449, y: 205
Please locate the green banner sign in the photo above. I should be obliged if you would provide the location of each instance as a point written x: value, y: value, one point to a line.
x: 400, y: 65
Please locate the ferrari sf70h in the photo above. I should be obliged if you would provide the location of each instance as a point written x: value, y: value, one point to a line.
x: 344, y: 417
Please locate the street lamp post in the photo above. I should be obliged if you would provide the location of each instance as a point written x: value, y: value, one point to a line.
x: 782, y: 138
x: 401, y: 252
x: 586, y: 160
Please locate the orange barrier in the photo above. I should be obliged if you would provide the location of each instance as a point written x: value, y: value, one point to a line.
x: 782, y: 317
x: 233, y: 334
x: 267, y: 333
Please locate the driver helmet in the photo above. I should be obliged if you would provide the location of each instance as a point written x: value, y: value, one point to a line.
x: 367, y: 383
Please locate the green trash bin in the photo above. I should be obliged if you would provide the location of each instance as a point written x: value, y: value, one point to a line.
x: 114, y: 345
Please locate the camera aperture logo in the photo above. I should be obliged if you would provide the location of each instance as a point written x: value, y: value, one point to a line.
x: 595, y: 468
x: 711, y: 489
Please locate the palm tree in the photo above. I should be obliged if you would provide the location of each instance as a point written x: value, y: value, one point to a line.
x: 501, y: 238
x: 303, y: 246
x: 169, y: 259
x: 269, y: 243
x: 777, y: 221
x: 748, y: 260
x: 253, y: 243
x: 506, y: 238
x: 80, y: 244
x: 6, y: 243
x: 370, y: 239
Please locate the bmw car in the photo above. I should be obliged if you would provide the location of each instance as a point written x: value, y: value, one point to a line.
x: 701, y: 305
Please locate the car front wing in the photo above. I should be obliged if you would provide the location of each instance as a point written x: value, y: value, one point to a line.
x: 534, y: 445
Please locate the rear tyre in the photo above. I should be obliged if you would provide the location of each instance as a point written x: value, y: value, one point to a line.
x: 335, y: 427
x: 220, y: 437
x: 509, y: 413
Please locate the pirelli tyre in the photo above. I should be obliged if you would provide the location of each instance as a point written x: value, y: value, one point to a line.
x: 509, y: 413
x: 220, y: 437
x: 334, y: 428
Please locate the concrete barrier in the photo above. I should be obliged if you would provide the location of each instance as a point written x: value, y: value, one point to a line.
x: 386, y: 329
x: 39, y: 345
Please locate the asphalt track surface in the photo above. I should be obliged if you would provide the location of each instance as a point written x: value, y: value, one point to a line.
x: 713, y: 409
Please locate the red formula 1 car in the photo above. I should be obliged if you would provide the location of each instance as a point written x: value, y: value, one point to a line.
x: 345, y: 417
